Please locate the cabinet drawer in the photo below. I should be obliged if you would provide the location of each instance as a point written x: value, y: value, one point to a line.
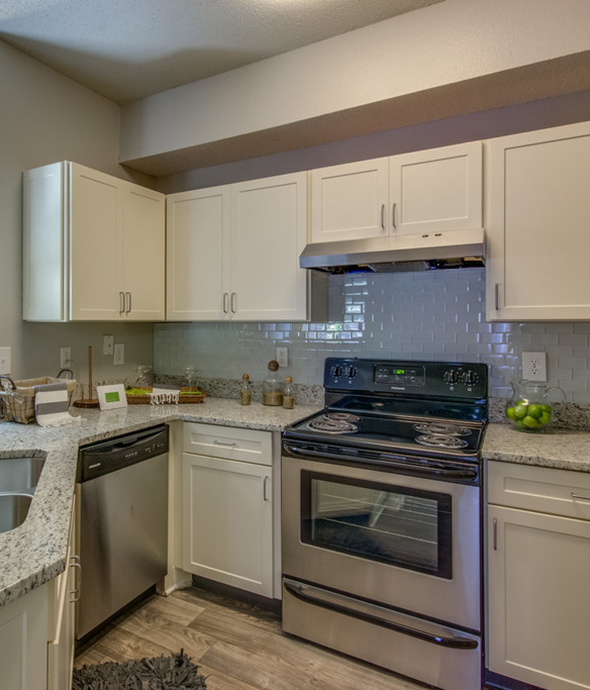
x: 542, y: 489
x: 248, y: 445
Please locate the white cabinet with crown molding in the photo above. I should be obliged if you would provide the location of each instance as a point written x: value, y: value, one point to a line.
x: 423, y: 191
x: 93, y: 247
x: 537, y: 225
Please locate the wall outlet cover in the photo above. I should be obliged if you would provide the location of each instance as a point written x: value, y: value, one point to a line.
x: 108, y: 345
x: 5, y: 362
x: 283, y: 356
x: 119, y: 357
x: 534, y: 366
x: 65, y: 357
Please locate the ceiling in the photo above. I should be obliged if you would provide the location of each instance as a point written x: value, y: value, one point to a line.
x: 130, y: 49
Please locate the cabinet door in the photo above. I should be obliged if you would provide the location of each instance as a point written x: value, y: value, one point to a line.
x: 537, y: 224
x: 23, y: 642
x: 538, y: 607
x: 95, y: 246
x: 198, y: 255
x: 144, y: 252
x: 436, y: 190
x: 349, y: 202
x: 228, y: 522
x: 268, y: 233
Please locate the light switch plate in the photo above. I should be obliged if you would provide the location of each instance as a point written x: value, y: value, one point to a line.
x: 108, y: 344
x: 5, y: 358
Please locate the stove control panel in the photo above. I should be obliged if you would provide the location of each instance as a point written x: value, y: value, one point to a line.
x: 398, y: 374
x: 419, y: 379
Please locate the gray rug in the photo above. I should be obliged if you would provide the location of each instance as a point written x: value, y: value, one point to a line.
x: 174, y: 672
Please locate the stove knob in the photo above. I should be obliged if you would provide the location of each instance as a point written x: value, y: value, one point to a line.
x: 337, y: 371
x: 351, y: 373
x: 470, y: 378
x: 451, y: 376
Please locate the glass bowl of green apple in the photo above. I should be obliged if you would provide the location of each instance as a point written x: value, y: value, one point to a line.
x: 529, y: 408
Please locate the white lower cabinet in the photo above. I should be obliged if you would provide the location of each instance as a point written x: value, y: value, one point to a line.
x: 23, y: 642
x: 228, y: 506
x: 538, y: 608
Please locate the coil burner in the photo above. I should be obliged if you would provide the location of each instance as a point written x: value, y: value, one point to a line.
x: 441, y: 441
x: 442, y: 428
x: 335, y: 423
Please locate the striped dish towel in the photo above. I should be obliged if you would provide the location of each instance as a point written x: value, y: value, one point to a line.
x: 51, y: 405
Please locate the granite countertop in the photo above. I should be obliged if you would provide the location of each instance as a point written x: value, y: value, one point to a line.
x: 560, y: 448
x: 35, y: 552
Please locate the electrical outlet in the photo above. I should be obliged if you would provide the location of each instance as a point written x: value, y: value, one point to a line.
x: 5, y: 360
x: 108, y: 345
x: 119, y: 357
x: 65, y: 357
x: 283, y: 356
x: 534, y: 366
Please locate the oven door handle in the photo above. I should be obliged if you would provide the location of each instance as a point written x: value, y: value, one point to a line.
x: 405, y: 467
x: 448, y: 641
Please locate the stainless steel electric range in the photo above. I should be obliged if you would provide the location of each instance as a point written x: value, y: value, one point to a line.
x: 381, y: 515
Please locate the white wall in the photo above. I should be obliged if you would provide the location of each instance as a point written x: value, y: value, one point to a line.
x: 453, y: 42
x: 46, y: 117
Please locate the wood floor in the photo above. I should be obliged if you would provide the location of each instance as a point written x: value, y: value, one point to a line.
x: 237, y: 646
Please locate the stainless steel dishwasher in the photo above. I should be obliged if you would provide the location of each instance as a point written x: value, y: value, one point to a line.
x: 123, y: 523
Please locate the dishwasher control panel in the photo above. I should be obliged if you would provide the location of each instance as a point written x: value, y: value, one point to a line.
x: 116, y: 453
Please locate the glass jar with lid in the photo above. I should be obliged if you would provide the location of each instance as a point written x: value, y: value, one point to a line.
x: 272, y: 388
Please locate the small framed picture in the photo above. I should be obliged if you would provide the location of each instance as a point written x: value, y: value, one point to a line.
x: 113, y: 396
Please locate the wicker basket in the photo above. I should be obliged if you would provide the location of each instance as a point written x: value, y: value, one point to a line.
x: 187, y: 395
x: 21, y: 408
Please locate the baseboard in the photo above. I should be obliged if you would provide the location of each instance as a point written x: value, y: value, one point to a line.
x: 236, y: 593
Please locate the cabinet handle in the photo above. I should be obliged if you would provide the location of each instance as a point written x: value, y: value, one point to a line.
x: 393, y: 216
x: 128, y: 296
x: 221, y: 443
x: 233, y: 302
x: 225, y: 302
x: 121, y: 303
x: 579, y: 497
x: 264, y: 491
x: 75, y: 594
x: 495, y: 534
x: 497, y: 296
x: 383, y: 216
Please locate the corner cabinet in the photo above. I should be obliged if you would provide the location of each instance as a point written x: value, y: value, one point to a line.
x: 432, y: 190
x: 233, y: 252
x: 93, y: 247
x: 228, y: 506
x: 538, y: 549
x: 537, y: 225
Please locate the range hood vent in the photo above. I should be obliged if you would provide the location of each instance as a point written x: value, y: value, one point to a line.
x: 397, y: 253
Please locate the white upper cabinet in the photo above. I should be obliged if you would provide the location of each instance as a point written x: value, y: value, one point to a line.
x: 437, y: 190
x: 425, y: 191
x: 233, y: 252
x: 198, y: 255
x: 93, y: 247
x: 538, y: 225
x: 349, y: 202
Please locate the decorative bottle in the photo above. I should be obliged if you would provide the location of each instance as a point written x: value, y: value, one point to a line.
x: 245, y: 391
x: 288, y: 399
x: 272, y: 389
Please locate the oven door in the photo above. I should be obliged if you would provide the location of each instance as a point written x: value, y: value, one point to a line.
x: 403, y: 541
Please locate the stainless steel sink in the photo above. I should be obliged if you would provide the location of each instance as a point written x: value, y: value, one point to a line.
x: 13, y: 510
x: 20, y: 474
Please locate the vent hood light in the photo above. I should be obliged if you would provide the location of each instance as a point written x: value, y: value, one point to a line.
x: 397, y: 253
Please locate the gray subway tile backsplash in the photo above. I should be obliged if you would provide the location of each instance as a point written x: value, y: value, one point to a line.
x: 437, y: 315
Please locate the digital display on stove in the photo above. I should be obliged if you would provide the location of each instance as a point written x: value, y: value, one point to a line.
x: 392, y: 374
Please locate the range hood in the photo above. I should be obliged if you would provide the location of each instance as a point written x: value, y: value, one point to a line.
x: 397, y: 253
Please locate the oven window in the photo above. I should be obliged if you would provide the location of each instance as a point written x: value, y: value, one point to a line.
x: 402, y: 526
